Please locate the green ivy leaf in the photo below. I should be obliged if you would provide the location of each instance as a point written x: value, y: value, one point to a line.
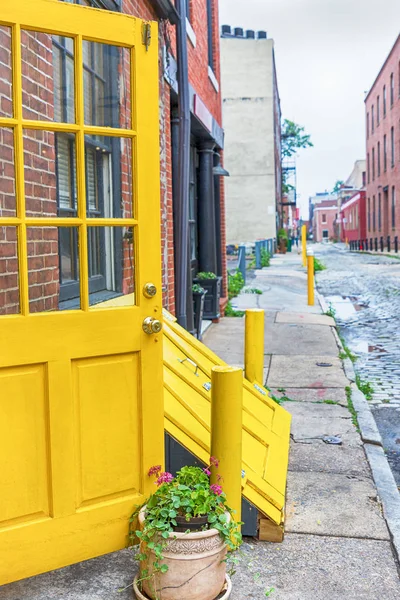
x: 164, y: 568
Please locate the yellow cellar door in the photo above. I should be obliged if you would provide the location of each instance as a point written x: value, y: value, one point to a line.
x: 81, y: 405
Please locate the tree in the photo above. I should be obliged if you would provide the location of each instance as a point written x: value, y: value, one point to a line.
x: 337, y: 186
x: 293, y: 138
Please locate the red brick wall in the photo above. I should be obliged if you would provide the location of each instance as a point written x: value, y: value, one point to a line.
x: 390, y: 177
x: 40, y: 178
x: 354, y: 211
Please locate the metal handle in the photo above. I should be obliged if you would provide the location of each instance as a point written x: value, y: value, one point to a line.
x: 149, y: 290
x: 191, y: 362
x: 151, y: 325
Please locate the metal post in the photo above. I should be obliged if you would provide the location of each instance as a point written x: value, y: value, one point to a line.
x: 310, y: 278
x: 304, y: 244
x: 376, y: 244
x: 254, y: 346
x: 370, y: 244
x: 396, y: 244
x: 388, y: 243
x: 226, y: 432
x: 258, y: 255
x: 381, y: 243
x: 242, y: 261
x: 181, y: 235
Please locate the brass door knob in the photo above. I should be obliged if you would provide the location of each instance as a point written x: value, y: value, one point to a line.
x: 149, y: 290
x: 151, y: 325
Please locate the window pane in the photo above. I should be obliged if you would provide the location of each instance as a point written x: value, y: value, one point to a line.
x: 107, y: 77
x: 109, y: 180
x: 7, y: 173
x: 9, y: 284
x: 47, y: 77
x: 53, y: 271
x: 50, y: 173
x: 5, y: 72
x: 111, y: 258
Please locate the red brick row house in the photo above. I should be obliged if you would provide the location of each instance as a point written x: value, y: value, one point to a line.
x: 353, y: 218
x: 382, y: 106
x: 50, y: 160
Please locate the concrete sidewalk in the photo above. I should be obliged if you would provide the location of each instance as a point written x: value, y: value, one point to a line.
x: 337, y: 543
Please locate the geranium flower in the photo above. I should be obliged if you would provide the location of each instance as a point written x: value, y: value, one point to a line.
x: 216, y: 489
x: 154, y: 470
x: 207, y: 471
x: 214, y: 461
x: 164, y: 478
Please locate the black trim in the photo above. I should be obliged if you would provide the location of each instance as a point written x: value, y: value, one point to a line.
x: 166, y: 10
x: 210, y: 34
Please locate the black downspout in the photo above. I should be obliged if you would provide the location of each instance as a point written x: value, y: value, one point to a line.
x: 217, y: 203
x: 182, y: 213
x: 206, y: 208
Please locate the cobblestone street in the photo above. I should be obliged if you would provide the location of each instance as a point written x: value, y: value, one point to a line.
x: 364, y: 293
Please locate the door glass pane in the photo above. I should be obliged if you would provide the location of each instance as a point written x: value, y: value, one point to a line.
x: 48, y: 77
x: 107, y: 87
x: 111, y: 255
x: 50, y: 173
x: 5, y: 72
x: 53, y: 268
x: 109, y: 182
x: 9, y: 284
x: 7, y: 173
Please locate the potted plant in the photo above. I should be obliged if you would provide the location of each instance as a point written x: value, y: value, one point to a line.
x: 198, y: 307
x: 185, y: 531
x: 212, y: 284
x: 282, y: 241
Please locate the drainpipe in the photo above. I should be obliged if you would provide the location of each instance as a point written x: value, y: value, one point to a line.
x: 182, y: 212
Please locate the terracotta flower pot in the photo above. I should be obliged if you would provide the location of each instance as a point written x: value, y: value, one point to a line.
x: 196, y: 566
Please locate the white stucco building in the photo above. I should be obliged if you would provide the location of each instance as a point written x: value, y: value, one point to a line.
x: 251, y: 120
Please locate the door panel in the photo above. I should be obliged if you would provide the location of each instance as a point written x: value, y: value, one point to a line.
x: 108, y: 453
x: 81, y: 406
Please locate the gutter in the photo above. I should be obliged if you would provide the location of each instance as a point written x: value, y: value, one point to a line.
x: 166, y: 10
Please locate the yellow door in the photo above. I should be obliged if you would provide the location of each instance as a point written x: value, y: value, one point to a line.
x: 81, y: 406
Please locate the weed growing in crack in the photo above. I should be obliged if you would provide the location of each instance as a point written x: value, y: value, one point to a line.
x: 351, y: 408
x: 365, y: 387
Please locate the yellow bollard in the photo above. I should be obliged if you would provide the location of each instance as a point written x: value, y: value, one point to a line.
x: 310, y: 279
x: 226, y: 432
x: 254, y: 346
x: 304, y: 244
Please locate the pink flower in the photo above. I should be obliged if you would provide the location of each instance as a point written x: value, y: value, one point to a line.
x: 216, y: 489
x: 164, y: 478
x: 154, y: 470
x: 207, y: 471
x: 219, y: 477
x: 214, y: 461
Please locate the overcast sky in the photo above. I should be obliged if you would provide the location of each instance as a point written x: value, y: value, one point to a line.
x: 328, y: 53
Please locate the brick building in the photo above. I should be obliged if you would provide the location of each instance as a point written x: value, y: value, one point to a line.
x: 353, y: 218
x: 50, y: 157
x: 382, y: 106
x: 324, y: 219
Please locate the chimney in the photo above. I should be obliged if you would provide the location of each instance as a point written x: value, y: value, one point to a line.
x: 226, y: 30
x: 250, y: 34
x: 262, y: 35
x: 238, y: 32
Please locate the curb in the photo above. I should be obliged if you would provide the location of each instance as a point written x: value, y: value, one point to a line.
x: 382, y: 475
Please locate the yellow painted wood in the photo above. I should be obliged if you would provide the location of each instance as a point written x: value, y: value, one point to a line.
x: 265, y: 424
x: 304, y: 244
x: 226, y: 432
x: 254, y: 346
x: 81, y: 396
x: 310, y: 280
